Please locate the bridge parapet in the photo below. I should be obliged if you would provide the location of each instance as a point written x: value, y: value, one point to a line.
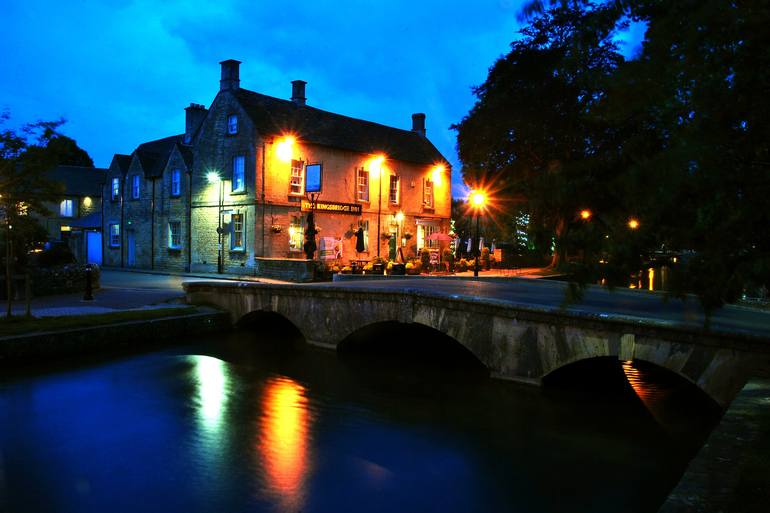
x: 514, y: 342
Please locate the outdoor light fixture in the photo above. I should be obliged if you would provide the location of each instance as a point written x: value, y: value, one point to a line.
x: 633, y: 223
x: 285, y: 148
x: 585, y: 214
x: 375, y: 164
x: 87, y: 201
x: 437, y: 175
x: 213, y: 178
x: 399, y: 217
x: 477, y: 200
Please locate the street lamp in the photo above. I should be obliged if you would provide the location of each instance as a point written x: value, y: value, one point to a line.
x: 477, y: 200
x: 375, y: 166
x: 633, y: 223
x: 214, y: 178
x: 399, y: 231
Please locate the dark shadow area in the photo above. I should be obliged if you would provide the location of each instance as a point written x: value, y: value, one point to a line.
x: 394, y: 354
x: 674, y: 405
x: 262, y: 333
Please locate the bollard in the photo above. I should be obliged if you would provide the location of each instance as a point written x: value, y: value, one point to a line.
x: 88, y: 296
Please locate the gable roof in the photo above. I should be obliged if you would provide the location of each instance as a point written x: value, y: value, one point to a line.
x: 123, y: 161
x: 153, y: 155
x: 79, y: 180
x: 275, y: 116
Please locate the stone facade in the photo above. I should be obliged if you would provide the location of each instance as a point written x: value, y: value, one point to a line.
x: 243, y: 187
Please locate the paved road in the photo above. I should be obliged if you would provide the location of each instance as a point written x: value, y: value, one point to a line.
x: 627, y: 304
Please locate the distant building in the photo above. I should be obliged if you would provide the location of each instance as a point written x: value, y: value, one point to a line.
x: 237, y: 185
x: 77, y: 217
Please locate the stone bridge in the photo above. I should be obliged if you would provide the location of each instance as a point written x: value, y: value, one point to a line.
x: 517, y: 340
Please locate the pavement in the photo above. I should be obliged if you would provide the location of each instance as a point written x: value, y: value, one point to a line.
x: 123, y: 289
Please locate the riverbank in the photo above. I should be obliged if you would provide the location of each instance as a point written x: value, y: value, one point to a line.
x: 732, y: 470
x: 38, y: 340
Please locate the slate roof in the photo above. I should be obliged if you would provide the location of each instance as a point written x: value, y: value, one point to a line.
x: 153, y: 155
x: 123, y: 162
x: 79, y: 180
x: 272, y: 116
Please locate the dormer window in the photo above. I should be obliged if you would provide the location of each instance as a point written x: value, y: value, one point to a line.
x: 232, y: 124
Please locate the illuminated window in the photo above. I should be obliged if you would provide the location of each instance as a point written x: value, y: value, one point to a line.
x: 427, y: 193
x: 135, y: 187
x: 395, y: 189
x: 115, y: 188
x: 296, y: 233
x: 176, y: 182
x: 239, y: 180
x: 362, y: 185
x: 236, y: 235
x: 114, y: 235
x: 297, y: 178
x: 66, y: 208
x: 424, y: 230
x: 232, y: 124
x: 174, y: 234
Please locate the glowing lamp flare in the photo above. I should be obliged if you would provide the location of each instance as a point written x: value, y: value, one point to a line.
x: 375, y: 164
x: 437, y: 174
x: 585, y: 214
x: 285, y: 148
x: 399, y: 216
x: 633, y: 223
x: 477, y: 199
x: 212, y: 177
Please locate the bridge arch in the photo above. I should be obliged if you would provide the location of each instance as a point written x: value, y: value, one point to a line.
x: 411, y: 343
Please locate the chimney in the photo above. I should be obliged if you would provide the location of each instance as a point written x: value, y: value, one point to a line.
x: 229, y: 80
x: 298, y: 92
x: 418, y: 123
x: 194, y: 116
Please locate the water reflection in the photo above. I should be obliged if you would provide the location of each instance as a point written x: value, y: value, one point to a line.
x: 213, y: 381
x: 283, y: 441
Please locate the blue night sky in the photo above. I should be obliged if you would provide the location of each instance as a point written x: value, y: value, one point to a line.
x: 122, y: 71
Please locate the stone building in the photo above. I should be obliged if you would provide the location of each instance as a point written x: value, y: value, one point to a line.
x: 235, y: 189
x: 77, y: 217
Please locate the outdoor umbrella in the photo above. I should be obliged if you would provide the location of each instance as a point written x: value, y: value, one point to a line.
x: 360, y: 240
x: 441, y: 237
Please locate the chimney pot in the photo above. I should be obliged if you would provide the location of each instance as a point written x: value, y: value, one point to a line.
x: 230, y: 71
x: 298, y: 92
x: 418, y: 123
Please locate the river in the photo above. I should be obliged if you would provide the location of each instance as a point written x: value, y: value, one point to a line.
x: 228, y: 425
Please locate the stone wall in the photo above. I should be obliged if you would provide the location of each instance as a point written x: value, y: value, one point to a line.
x: 137, y: 218
x: 170, y: 208
x: 112, y: 256
x: 514, y: 343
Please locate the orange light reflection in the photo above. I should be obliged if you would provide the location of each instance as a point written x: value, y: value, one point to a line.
x: 283, y: 440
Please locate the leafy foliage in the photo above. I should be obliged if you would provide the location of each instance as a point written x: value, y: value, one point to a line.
x: 678, y: 138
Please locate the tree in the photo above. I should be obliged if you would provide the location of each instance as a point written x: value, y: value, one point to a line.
x: 532, y: 131
x: 24, y: 186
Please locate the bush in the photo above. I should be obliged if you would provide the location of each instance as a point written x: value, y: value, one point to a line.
x: 62, y: 279
x: 448, y: 257
x: 461, y: 266
x: 484, y: 259
x: 425, y: 259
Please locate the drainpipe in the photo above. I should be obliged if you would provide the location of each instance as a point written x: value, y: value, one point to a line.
x: 189, y: 223
x: 122, y: 223
x: 152, y: 227
x: 263, y: 197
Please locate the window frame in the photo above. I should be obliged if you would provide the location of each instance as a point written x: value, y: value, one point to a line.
x: 297, y: 180
x: 64, y: 211
x: 136, y: 190
x: 427, y: 193
x: 115, y: 188
x: 233, y: 231
x: 171, y: 244
x: 114, y: 237
x: 176, y: 179
x: 232, y: 124
x: 397, y: 180
x: 362, y: 187
x: 299, y: 233
x: 241, y: 174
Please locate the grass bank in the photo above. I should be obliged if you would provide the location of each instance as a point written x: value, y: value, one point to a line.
x: 22, y: 325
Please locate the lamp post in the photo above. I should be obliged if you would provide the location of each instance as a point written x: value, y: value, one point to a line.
x: 477, y: 200
x: 214, y: 178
